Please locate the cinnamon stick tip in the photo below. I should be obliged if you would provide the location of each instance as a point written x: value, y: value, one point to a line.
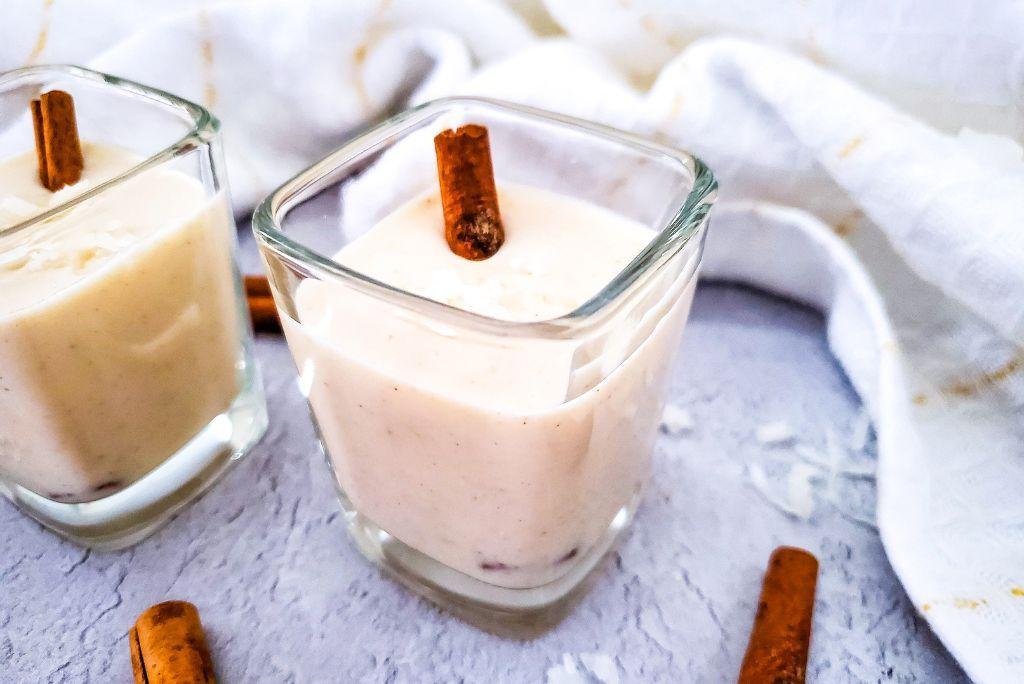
x: 468, y: 130
x: 795, y: 560
x: 469, y: 197
x: 168, y: 610
x: 796, y: 554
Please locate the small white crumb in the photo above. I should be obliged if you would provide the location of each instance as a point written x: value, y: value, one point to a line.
x: 16, y: 206
x: 565, y: 672
x: 859, y: 432
x: 602, y: 666
x: 774, y: 434
x: 676, y: 420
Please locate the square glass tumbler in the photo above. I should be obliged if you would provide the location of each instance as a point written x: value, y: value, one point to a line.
x: 127, y: 383
x: 496, y: 509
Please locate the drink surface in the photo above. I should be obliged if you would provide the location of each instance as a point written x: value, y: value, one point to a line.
x: 558, y: 253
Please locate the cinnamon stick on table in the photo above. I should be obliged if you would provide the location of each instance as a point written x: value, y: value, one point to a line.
x: 58, y: 149
x: 262, y: 309
x: 781, y: 636
x: 472, y: 222
x: 168, y: 646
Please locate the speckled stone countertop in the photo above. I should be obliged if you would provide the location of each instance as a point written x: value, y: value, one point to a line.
x: 285, y: 598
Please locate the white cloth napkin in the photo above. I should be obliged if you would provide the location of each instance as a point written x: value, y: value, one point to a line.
x: 868, y: 167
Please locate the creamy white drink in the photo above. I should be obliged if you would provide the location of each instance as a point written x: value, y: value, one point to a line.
x: 119, y: 331
x: 502, y: 457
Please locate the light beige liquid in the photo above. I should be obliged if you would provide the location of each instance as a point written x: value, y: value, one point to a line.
x: 119, y: 331
x: 471, y: 450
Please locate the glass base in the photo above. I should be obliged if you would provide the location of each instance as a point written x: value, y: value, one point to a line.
x: 130, y: 515
x: 517, y: 613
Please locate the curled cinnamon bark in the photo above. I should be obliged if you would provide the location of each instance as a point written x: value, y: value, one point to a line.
x: 781, y: 636
x: 168, y: 646
x: 57, y: 146
x: 472, y: 222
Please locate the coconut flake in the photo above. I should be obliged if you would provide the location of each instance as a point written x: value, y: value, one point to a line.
x: 676, y: 420
x: 776, y: 433
x: 799, y: 502
x: 859, y: 431
x: 601, y: 666
x: 799, y: 482
x: 818, y: 460
x: 565, y: 672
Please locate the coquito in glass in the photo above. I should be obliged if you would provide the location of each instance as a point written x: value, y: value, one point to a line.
x: 489, y: 423
x: 127, y: 385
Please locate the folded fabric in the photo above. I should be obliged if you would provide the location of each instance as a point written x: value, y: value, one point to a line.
x: 902, y: 225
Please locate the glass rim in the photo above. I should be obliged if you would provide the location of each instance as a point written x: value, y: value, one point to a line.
x: 685, y: 223
x: 204, y: 128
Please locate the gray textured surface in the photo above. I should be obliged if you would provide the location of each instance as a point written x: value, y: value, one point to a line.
x: 285, y: 598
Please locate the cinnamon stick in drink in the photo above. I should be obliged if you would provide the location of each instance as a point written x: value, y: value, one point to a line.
x: 57, y: 146
x: 168, y: 646
x: 781, y: 636
x: 469, y: 199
